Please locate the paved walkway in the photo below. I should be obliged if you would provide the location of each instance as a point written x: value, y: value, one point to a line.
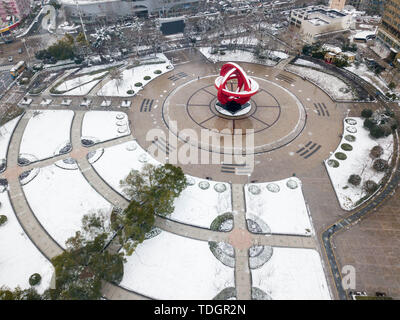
x: 239, y: 237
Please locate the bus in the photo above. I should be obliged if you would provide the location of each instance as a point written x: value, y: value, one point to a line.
x: 17, y: 69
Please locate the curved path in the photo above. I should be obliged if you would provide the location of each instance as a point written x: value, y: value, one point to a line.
x: 239, y: 237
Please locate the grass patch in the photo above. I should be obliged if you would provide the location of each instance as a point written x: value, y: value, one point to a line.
x: 346, y: 147
x: 340, y: 156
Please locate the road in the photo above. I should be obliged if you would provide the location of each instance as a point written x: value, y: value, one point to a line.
x: 5, y: 81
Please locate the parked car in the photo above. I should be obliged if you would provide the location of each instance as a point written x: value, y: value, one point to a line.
x: 20, y: 50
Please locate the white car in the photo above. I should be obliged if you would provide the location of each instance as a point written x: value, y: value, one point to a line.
x: 10, y: 59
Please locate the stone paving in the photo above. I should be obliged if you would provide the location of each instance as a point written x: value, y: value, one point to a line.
x: 240, y: 238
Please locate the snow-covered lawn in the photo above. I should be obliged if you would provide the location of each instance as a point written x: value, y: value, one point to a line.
x: 363, y: 72
x: 46, y: 133
x: 334, y: 86
x: 135, y: 75
x: 358, y: 162
x: 200, y: 207
x: 238, y: 55
x: 98, y: 68
x: 80, y: 85
x: 284, y: 211
x: 117, y: 161
x: 195, y: 206
x: 6, y: 131
x: 306, y: 63
x: 292, y: 274
x: 173, y: 267
x: 105, y: 125
x: 60, y: 198
x: 19, y: 258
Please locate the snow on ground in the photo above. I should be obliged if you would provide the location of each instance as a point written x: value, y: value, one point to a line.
x: 307, y: 63
x: 83, y: 89
x: 194, y: 206
x: 237, y: 55
x: 98, y: 67
x: 19, y: 258
x: 46, y: 133
x: 284, y: 211
x: 117, y: 161
x: 174, y: 267
x: 135, y: 75
x: 80, y: 85
x: 334, y: 86
x: 200, y: 207
x: 105, y: 125
x: 363, y: 72
x: 6, y: 131
x: 60, y: 198
x: 292, y: 274
x: 358, y: 162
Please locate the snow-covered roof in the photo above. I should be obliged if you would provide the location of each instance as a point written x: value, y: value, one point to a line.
x: 364, y: 34
x: 331, y: 48
x: 349, y: 54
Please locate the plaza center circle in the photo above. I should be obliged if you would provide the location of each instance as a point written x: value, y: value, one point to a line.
x: 276, y: 117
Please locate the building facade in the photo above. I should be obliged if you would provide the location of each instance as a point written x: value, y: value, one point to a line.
x: 14, y: 8
x: 93, y: 10
x: 337, y: 4
x: 318, y: 21
x: 389, y: 29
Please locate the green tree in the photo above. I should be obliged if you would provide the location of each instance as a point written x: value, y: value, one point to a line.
x: 19, y: 294
x: 81, y: 40
x: 152, y: 191
x: 157, y: 185
x: 82, y: 267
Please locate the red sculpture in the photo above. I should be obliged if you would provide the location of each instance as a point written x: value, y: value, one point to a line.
x: 246, y: 87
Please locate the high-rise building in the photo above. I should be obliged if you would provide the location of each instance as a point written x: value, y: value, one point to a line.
x: 389, y: 29
x: 337, y: 4
x: 14, y: 8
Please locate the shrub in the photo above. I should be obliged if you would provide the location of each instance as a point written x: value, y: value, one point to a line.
x: 350, y: 138
x: 389, y: 113
x: 35, y: 279
x: 3, y: 219
x: 366, y: 113
x: 130, y: 92
x: 370, y: 186
x: 377, y: 131
x: 138, y: 84
x: 354, y: 179
x: 380, y: 165
x: 369, y: 123
x: 376, y: 152
x: 333, y: 163
x: 387, y: 129
x: 147, y: 78
x: 157, y: 72
x: 392, y: 85
x: 346, y: 147
x: 340, y: 156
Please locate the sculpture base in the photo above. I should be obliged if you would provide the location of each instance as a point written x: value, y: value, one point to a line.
x: 233, y: 111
